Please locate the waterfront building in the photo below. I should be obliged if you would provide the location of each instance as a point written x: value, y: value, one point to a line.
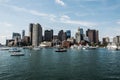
x: 10, y: 42
x: 105, y: 40
x: 55, y: 37
x: 48, y: 35
x: 26, y: 40
x: 79, y: 35
x: 66, y: 44
x: 16, y: 36
x: 93, y: 36
x: 55, y: 40
x: 68, y: 34
x: 71, y: 40
x: 31, y: 31
x: 64, y: 36
x: 36, y: 34
x: 60, y: 35
x: 23, y: 33
x: 116, y: 40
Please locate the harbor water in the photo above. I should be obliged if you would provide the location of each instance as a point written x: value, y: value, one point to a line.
x: 75, y: 64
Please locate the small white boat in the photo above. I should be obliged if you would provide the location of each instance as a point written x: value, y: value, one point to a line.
x: 91, y: 48
x: 4, y: 48
x: 61, y: 50
x: 36, y: 48
x: 17, y: 54
x: 14, y: 50
x: 87, y: 47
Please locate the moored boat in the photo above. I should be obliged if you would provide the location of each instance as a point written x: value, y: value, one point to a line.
x: 14, y: 50
x: 4, y: 48
x: 61, y: 50
x: 91, y: 48
x: 17, y: 54
x: 36, y: 48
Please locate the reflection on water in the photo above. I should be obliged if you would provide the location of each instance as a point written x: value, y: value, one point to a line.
x: 74, y: 64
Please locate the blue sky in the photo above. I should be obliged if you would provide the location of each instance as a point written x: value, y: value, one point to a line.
x: 102, y: 15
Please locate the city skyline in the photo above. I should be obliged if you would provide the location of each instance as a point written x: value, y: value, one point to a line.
x: 102, y: 15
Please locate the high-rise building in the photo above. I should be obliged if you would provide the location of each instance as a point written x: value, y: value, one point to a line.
x: 16, y: 36
x: 26, y: 40
x: 106, y: 40
x: 79, y: 35
x: 93, y: 36
x: 40, y: 33
x: 68, y: 34
x: 60, y: 35
x: 31, y: 32
x: 48, y: 35
x: 116, y: 40
x: 64, y: 36
x: 35, y: 32
x: 23, y: 33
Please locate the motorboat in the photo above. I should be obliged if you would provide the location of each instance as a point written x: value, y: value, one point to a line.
x: 61, y: 50
x: 36, y: 48
x: 91, y: 48
x: 17, y: 54
x: 4, y: 48
x: 14, y: 50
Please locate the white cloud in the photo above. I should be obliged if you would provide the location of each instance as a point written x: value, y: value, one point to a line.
x: 6, y: 24
x: 66, y: 19
x: 51, y: 17
x: 60, y: 2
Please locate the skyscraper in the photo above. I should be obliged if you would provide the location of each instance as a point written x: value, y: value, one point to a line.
x: 116, y: 40
x: 23, y: 33
x: 64, y: 36
x: 35, y: 34
x: 60, y: 35
x: 68, y: 34
x: 48, y: 35
x: 79, y: 35
x: 31, y: 32
x: 93, y: 36
x: 40, y: 32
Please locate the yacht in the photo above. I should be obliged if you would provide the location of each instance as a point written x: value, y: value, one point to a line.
x: 61, y: 50
x: 87, y: 47
x: 17, y: 54
x: 91, y: 48
x: 14, y: 50
x: 4, y: 48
